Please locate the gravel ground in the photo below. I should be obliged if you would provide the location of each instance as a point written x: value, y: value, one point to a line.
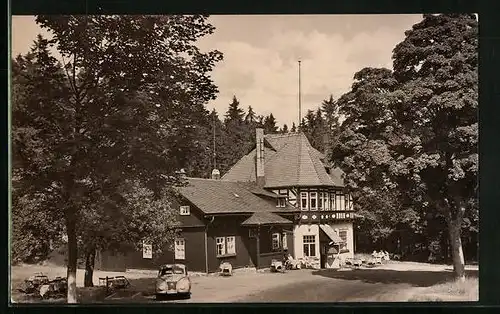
x: 394, y: 281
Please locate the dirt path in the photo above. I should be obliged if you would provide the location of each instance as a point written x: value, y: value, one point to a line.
x: 332, y: 290
x: 230, y: 289
x: 19, y: 273
x: 385, y: 283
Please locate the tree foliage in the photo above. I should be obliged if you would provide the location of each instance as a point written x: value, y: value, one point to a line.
x: 124, y: 106
x: 411, y: 134
x: 270, y: 126
x: 35, y: 140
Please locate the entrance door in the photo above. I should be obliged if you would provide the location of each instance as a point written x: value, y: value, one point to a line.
x: 323, y: 253
x: 289, y: 243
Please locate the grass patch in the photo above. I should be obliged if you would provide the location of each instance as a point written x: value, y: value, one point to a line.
x: 468, y: 288
x: 455, y: 290
x: 91, y: 294
x: 425, y: 298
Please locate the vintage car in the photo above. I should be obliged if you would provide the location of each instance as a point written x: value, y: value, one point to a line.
x: 172, y: 280
x: 33, y: 283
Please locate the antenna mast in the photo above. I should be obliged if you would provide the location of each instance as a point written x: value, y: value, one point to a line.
x: 300, y: 104
x: 215, y: 164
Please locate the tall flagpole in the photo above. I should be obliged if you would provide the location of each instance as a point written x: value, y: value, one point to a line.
x: 300, y: 104
x: 215, y: 155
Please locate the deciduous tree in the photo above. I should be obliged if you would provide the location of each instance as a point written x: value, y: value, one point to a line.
x: 436, y: 66
x: 127, y: 85
x: 412, y: 134
x: 37, y: 131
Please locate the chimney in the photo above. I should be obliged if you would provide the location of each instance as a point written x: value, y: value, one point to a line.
x: 215, y: 174
x: 259, y: 166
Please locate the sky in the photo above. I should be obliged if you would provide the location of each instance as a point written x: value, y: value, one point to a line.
x: 261, y: 54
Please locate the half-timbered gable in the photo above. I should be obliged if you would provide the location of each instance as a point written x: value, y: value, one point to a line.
x: 300, y: 177
x: 282, y: 196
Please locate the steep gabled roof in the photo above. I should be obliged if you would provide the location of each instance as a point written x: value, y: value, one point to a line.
x: 336, y: 176
x: 217, y: 196
x: 263, y: 218
x: 244, y: 170
x: 291, y: 162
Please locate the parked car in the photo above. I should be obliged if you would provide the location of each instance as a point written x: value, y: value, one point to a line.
x: 33, y: 283
x: 173, y: 279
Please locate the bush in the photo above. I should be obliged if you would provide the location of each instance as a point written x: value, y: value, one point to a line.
x: 435, y: 252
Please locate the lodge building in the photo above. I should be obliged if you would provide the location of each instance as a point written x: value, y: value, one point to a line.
x: 282, y: 196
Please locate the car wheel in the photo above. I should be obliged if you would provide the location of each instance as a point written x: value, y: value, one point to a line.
x: 187, y: 295
x: 159, y: 297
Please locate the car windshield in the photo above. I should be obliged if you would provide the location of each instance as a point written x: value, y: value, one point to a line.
x: 171, y: 270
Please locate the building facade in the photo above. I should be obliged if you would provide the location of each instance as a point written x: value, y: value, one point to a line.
x: 220, y: 222
x: 281, y: 197
x: 300, y: 177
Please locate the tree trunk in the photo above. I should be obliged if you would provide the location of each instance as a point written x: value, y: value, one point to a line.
x: 72, y: 255
x: 443, y: 244
x: 89, y: 267
x: 454, y: 226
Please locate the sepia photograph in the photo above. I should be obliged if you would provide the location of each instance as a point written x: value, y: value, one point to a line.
x: 165, y: 159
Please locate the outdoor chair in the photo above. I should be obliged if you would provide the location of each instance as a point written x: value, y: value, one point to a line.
x: 357, y: 262
x: 377, y: 257
x: 277, y: 266
x: 225, y: 269
x: 292, y: 263
x: 386, y: 256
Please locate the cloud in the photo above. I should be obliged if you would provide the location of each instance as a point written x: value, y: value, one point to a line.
x: 261, y: 53
x: 266, y: 76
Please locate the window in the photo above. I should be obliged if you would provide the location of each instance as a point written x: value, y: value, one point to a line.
x: 303, y: 200
x: 309, y: 245
x: 276, y: 241
x: 185, y: 210
x: 169, y: 270
x: 320, y: 202
x: 314, y: 201
x: 337, y: 201
x: 284, y: 241
x: 180, y: 249
x: 225, y: 245
x: 332, y: 200
x: 252, y: 233
x: 221, y: 246
x: 281, y: 202
x: 230, y: 245
x: 147, y: 250
x: 343, y: 235
x: 351, y: 203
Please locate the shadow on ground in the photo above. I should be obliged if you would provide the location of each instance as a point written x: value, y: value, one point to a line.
x: 140, y: 290
x: 414, y: 278
x: 144, y: 285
